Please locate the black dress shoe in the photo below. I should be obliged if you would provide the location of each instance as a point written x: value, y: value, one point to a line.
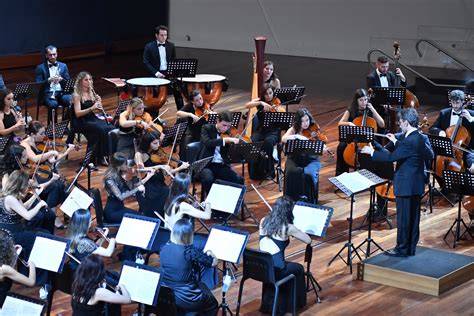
x: 393, y: 253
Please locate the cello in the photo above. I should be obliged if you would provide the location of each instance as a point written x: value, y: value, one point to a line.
x: 460, y: 138
x: 351, y: 150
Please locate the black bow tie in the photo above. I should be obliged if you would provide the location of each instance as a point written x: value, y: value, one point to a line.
x: 383, y: 75
x: 53, y: 65
x: 159, y: 45
x: 458, y: 114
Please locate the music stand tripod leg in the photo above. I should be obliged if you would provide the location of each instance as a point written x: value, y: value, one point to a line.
x: 224, y: 306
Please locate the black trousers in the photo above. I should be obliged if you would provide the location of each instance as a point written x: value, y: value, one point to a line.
x: 216, y: 171
x: 408, y: 223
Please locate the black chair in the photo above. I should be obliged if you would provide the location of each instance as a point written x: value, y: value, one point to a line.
x: 192, y: 152
x: 166, y: 305
x: 258, y: 265
x: 99, y: 210
x: 297, y: 185
x: 60, y: 282
x: 113, y: 140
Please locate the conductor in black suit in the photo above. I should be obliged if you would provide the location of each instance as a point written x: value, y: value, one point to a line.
x: 450, y: 116
x: 410, y: 150
x: 213, y: 145
x: 156, y: 56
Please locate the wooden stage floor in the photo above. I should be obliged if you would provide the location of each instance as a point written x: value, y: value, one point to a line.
x: 330, y: 85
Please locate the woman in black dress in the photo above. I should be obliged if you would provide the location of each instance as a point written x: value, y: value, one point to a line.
x: 178, y: 258
x: 275, y: 230
x: 88, y: 293
x: 10, y: 120
x: 88, y: 118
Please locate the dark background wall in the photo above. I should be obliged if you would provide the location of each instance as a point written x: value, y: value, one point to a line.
x: 28, y: 26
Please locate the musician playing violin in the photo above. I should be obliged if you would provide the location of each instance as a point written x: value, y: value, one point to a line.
x: 156, y: 190
x: 196, y: 114
x: 264, y: 167
x: 450, y: 116
x: 54, y: 193
x: 132, y: 123
x: 304, y: 127
x: 360, y: 104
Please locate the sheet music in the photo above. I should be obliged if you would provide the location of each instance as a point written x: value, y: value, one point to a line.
x: 135, y: 232
x: 310, y: 220
x: 75, y: 200
x: 48, y: 253
x: 225, y: 245
x: 354, y: 181
x: 14, y: 306
x: 223, y: 197
x: 141, y: 284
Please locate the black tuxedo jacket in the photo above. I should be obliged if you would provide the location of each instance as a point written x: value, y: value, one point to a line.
x: 210, y: 141
x: 410, y: 154
x: 151, y: 56
x: 444, y: 119
x: 42, y: 75
x: 373, y: 80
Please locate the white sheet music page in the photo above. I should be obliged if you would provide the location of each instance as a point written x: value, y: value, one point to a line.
x: 48, y: 253
x: 223, y: 197
x: 354, y: 181
x: 140, y: 283
x: 75, y: 200
x: 135, y: 232
x: 14, y: 306
x: 310, y: 220
x: 225, y: 245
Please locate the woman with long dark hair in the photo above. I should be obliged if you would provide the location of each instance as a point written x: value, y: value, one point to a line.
x: 89, y: 294
x: 8, y: 273
x: 275, y: 230
x: 269, y: 75
x: 177, y: 259
x: 10, y: 120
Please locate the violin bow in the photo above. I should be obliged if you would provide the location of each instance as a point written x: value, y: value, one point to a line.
x: 174, y: 144
x: 261, y: 196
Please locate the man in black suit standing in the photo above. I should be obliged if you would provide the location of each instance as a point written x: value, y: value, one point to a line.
x: 382, y: 77
x: 156, y: 56
x: 53, y: 75
x: 216, y: 147
x: 450, y: 116
x: 410, y: 150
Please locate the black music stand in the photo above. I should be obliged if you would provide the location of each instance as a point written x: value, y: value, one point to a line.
x: 240, y: 202
x: 170, y: 134
x: 179, y: 68
x: 235, y: 119
x: 25, y: 91
x: 289, y: 95
x: 122, y: 106
x: 343, y: 186
x: 59, y: 131
x: 442, y: 146
x: 282, y: 121
x: 85, y: 164
x: 389, y: 96
x: 4, y: 140
x: 195, y: 169
x: 461, y: 183
x: 304, y: 147
x: 356, y: 134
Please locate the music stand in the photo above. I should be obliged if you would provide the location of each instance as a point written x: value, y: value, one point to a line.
x: 227, y: 244
x: 212, y: 119
x: 389, y: 96
x: 463, y: 184
x: 282, y: 121
x: 69, y: 86
x: 356, y: 134
x: 59, y: 131
x: 122, y: 106
x: 179, y: 68
x: 170, y: 134
x: 351, y: 184
x: 4, y: 140
x: 241, y: 153
x: 304, y: 147
x: 289, y: 95
x: 442, y: 146
x: 217, y: 194
x: 20, y: 308
x: 85, y: 164
x: 25, y: 91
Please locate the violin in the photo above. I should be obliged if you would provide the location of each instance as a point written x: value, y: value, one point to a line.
x: 203, y: 111
x: 350, y: 151
x: 460, y: 138
x: 153, y: 127
x: 233, y: 132
x: 276, y: 106
x: 160, y: 157
x: 313, y: 132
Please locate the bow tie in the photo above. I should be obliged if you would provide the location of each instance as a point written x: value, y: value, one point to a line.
x: 159, y: 45
x: 458, y: 114
x: 53, y: 65
x: 383, y: 75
